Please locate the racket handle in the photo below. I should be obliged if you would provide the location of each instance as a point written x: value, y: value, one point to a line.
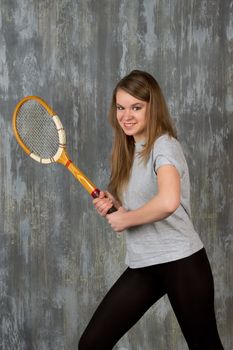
x: 95, y: 194
x: 112, y: 210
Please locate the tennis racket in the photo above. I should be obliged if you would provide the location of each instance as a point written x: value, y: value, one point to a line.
x: 40, y: 133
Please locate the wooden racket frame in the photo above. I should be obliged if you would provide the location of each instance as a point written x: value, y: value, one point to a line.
x: 61, y: 156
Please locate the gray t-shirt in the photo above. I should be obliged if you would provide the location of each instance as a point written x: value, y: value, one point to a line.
x: 169, y: 239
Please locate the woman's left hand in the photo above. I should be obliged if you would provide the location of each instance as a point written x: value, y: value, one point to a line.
x: 117, y: 220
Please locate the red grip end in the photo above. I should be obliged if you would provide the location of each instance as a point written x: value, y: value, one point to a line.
x: 95, y: 193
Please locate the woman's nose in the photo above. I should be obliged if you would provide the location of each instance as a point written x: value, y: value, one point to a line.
x: 127, y: 113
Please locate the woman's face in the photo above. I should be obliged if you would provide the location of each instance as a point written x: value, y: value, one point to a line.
x: 131, y: 115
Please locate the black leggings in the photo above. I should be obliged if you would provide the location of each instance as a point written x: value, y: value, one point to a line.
x: 189, y: 285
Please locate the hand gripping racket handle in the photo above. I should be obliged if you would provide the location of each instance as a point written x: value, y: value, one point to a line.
x: 95, y: 194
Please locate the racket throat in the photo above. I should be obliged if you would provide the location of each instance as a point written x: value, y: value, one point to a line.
x: 78, y: 174
x: 68, y: 163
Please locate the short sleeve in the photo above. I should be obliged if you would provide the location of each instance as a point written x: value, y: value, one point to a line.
x: 167, y: 151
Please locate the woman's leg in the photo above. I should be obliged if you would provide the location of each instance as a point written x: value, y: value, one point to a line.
x: 130, y: 297
x: 191, y: 292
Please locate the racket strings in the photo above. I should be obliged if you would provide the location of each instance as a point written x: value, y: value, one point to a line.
x: 37, y: 129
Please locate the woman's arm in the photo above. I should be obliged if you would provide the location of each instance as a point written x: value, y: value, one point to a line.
x: 158, y: 208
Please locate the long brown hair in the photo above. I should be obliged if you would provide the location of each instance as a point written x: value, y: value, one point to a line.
x: 144, y: 87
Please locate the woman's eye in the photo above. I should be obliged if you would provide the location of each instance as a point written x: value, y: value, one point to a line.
x: 134, y: 108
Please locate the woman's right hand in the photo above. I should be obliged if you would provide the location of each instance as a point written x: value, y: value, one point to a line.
x: 104, y: 202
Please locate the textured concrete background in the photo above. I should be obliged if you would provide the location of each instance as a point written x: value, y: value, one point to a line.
x: 57, y: 257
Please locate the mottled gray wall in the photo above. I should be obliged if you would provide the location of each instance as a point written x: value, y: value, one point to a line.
x: 57, y: 257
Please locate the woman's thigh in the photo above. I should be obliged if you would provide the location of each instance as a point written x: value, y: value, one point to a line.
x: 126, y: 302
x: 190, y: 289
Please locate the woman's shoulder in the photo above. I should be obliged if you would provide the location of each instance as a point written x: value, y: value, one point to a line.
x: 166, y: 141
x: 168, y: 149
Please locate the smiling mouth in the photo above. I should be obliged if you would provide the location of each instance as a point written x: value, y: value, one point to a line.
x: 128, y: 125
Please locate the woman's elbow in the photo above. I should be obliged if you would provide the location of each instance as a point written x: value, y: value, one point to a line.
x: 171, y: 204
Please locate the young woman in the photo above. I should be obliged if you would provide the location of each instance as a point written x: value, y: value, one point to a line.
x: 149, y: 186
